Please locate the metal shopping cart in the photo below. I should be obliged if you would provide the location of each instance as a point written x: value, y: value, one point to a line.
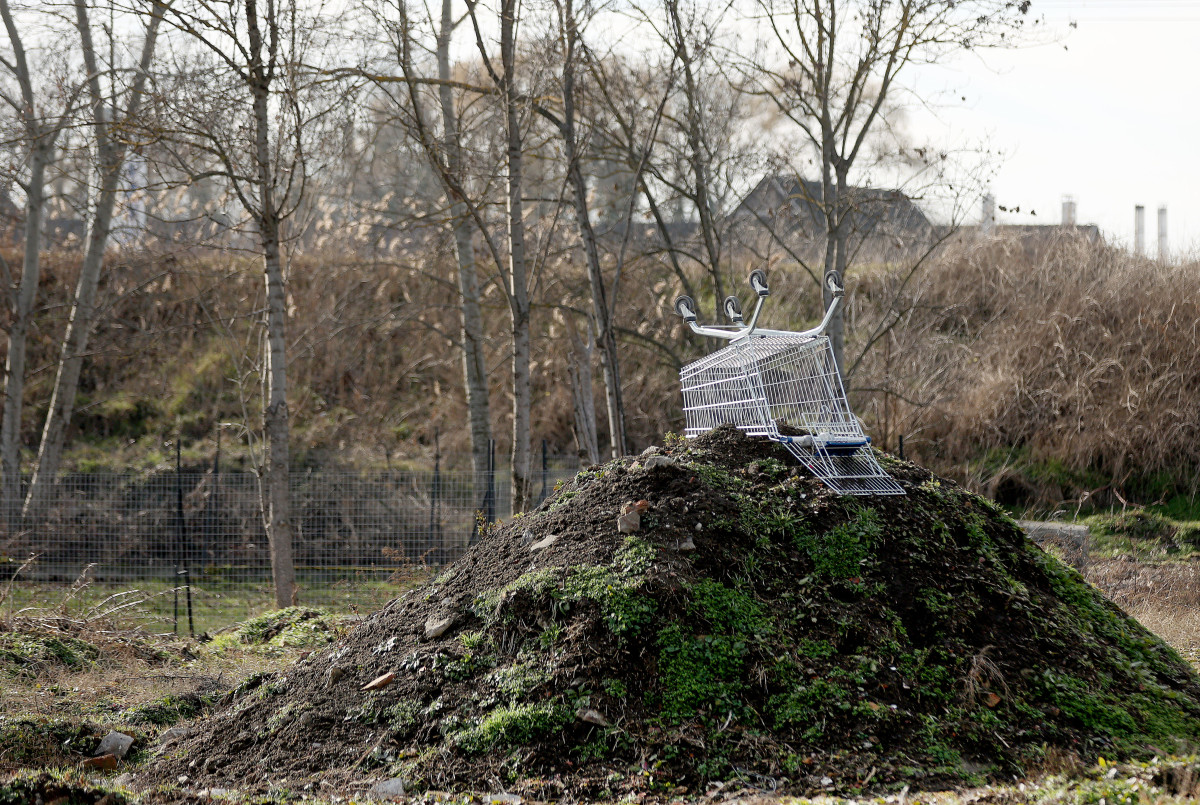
x: 783, y: 385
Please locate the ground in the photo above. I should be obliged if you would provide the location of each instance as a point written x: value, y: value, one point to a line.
x: 70, y: 676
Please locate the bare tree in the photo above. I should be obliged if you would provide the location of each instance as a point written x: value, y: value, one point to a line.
x: 110, y: 149
x: 39, y: 131
x: 516, y: 274
x: 602, y: 300
x: 839, y: 63
x: 446, y: 156
x: 250, y: 128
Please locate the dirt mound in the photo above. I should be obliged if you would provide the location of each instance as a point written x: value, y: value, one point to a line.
x: 742, y: 621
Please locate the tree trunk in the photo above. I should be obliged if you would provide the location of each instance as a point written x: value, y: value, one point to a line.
x: 837, y: 324
x: 70, y: 363
x: 601, y: 313
x: 110, y: 158
x: 14, y: 369
x: 518, y: 294
x: 698, y: 159
x: 275, y: 422
x: 275, y: 413
x: 831, y: 205
x: 579, y: 368
x: 475, y: 379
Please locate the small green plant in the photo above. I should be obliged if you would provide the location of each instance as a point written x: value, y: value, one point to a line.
x: 512, y: 726
x: 615, y: 688
x: 841, y: 552
x: 402, y: 716
x: 475, y: 641
x: 515, y: 682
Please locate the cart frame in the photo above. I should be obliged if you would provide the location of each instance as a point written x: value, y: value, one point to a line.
x: 767, y: 379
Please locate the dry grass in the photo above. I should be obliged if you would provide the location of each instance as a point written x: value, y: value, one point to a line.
x: 1164, y: 597
x: 63, y: 659
x: 1070, y: 356
x: 1078, y: 356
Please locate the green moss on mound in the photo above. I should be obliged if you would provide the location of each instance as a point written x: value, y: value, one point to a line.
x: 29, y: 653
x: 757, y: 626
x: 291, y: 627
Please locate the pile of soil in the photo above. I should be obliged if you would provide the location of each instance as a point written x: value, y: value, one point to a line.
x: 743, y: 622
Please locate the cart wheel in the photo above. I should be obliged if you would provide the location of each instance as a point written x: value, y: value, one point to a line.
x: 733, y: 310
x: 758, y: 281
x: 685, y: 306
x: 834, y: 282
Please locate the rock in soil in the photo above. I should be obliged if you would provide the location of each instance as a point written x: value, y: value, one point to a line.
x: 114, y: 743
x: 387, y: 789
x: 105, y: 762
x: 438, y: 625
x: 823, y: 643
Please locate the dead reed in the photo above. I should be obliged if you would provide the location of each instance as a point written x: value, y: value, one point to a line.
x: 1076, y: 357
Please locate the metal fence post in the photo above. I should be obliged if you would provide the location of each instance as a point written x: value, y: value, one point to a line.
x: 181, y: 535
x: 545, y: 474
x: 435, y: 491
x: 491, y: 482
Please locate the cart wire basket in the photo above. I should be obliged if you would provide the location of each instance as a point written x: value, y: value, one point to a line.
x: 785, y: 386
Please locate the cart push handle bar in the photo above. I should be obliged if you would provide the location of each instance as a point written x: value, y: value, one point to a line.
x: 685, y: 306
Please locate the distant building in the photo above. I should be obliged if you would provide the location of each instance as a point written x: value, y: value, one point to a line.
x: 1032, y: 236
x: 792, y: 208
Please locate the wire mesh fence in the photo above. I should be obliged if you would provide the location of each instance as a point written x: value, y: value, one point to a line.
x: 356, y: 533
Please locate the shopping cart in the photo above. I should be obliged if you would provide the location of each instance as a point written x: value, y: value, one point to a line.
x: 783, y: 385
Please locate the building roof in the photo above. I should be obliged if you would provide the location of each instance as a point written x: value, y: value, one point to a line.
x: 874, y: 211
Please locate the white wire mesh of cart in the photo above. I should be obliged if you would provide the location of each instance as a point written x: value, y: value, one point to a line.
x: 785, y: 386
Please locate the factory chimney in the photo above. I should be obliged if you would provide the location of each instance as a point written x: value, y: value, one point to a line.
x: 1139, y: 230
x: 987, y: 224
x: 1162, y: 234
x: 1068, y: 211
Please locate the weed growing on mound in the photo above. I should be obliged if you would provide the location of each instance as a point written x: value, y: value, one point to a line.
x: 755, y: 626
x: 704, y: 674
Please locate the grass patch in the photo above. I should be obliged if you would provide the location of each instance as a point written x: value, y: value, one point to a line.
x: 32, y: 654
x: 292, y: 627
x: 1143, y: 533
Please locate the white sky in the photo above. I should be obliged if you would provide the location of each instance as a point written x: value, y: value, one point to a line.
x: 1107, y: 112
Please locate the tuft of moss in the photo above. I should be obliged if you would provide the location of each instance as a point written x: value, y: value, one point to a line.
x: 512, y: 726
x: 26, y: 654
x: 291, y: 627
x: 167, y: 711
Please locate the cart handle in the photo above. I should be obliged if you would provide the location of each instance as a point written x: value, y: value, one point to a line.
x: 685, y: 306
x: 833, y: 281
x: 758, y: 281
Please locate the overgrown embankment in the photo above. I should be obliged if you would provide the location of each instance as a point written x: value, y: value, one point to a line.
x: 708, y: 612
x: 1042, y: 370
